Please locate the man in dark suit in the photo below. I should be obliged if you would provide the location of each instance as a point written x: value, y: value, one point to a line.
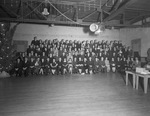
x: 18, y: 68
x: 34, y: 41
x: 31, y: 66
x: 26, y: 67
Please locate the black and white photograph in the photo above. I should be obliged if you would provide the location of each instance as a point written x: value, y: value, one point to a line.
x: 74, y: 57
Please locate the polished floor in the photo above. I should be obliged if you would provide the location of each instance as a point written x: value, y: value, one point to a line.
x: 103, y: 94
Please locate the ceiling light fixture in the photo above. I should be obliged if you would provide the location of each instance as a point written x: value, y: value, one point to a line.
x: 45, y: 11
x: 99, y: 26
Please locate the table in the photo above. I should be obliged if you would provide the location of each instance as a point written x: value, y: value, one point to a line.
x: 145, y: 77
x: 133, y: 77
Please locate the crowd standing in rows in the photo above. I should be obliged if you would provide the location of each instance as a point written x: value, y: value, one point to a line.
x: 54, y: 57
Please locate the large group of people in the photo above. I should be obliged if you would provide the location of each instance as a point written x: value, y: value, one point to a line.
x: 60, y: 57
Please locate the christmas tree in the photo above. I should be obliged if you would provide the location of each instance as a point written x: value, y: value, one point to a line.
x: 7, y: 51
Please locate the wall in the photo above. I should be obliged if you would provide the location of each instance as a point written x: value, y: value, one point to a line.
x: 129, y: 34
x: 28, y: 31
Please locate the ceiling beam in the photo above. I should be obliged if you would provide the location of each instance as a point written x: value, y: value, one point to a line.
x: 5, y: 12
x: 138, y: 18
x: 76, y: 13
x: 122, y: 20
x: 67, y: 2
x: 138, y: 9
x: 35, y: 21
x: 38, y: 21
x: 98, y: 18
x: 120, y: 10
x: 19, y: 7
x: 8, y: 11
x: 114, y: 5
x: 89, y: 14
x: 35, y: 11
x: 146, y: 24
x: 63, y: 13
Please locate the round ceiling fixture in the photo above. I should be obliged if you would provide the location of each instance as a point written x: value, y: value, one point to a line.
x: 97, y: 27
x: 94, y: 27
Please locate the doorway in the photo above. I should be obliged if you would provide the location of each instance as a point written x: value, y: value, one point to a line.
x: 136, y: 47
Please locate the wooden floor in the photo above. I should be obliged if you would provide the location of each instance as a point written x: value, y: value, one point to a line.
x: 72, y: 95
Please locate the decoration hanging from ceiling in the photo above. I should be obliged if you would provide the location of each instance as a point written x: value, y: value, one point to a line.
x: 45, y: 12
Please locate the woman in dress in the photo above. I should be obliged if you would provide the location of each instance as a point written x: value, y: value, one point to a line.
x: 107, y: 64
x: 37, y: 66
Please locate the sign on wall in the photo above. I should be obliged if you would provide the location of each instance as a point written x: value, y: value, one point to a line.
x: 20, y: 46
